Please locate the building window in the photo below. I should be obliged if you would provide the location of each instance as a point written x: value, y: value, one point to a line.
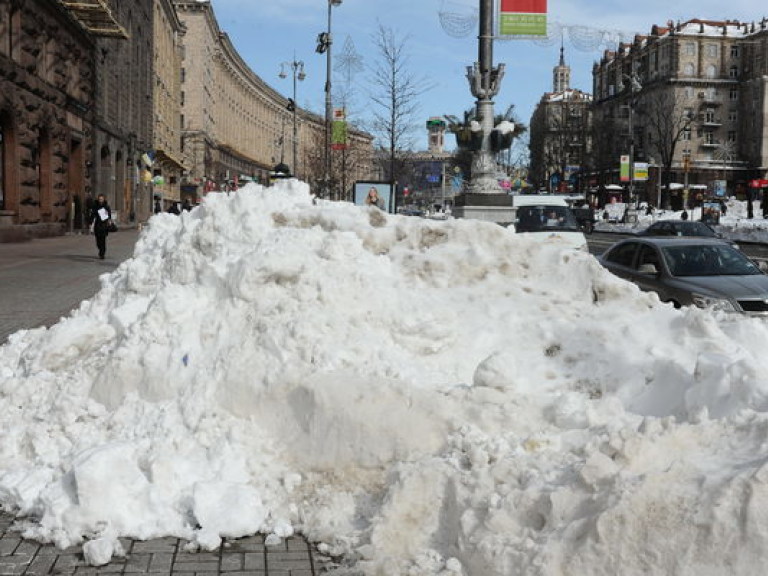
x: 734, y: 51
x: 689, y: 92
x: 183, y: 74
x: 690, y: 48
x: 733, y: 116
x: 709, y: 137
x: 686, y: 135
x: 733, y: 72
x: 712, y: 51
x: 711, y: 71
x: 688, y: 70
x: 14, y: 37
x: 709, y: 116
x: 733, y: 95
x: 731, y: 136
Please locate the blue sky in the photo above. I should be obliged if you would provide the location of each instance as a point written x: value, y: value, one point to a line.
x: 268, y: 32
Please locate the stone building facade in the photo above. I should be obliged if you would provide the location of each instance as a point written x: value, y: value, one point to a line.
x: 695, y: 96
x: 236, y: 126
x: 561, y: 135
x: 47, y: 66
x: 169, y: 163
x: 123, y: 94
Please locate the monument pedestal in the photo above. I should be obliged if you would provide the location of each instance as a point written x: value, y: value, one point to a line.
x: 494, y: 207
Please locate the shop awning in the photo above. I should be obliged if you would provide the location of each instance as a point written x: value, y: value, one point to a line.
x: 96, y: 17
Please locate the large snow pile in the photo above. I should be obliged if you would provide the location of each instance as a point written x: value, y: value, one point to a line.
x: 422, y: 397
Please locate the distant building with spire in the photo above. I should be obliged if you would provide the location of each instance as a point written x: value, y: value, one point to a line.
x: 561, y: 74
x: 560, y: 138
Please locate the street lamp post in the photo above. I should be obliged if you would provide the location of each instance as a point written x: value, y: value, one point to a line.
x: 324, y: 42
x: 297, y: 67
x: 485, y: 82
x: 634, y: 87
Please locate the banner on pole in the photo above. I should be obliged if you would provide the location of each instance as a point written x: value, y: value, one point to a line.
x: 339, y: 130
x: 624, y: 168
x: 522, y: 18
x: 640, y: 173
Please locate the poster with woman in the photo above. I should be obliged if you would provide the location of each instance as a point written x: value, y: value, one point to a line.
x: 376, y: 194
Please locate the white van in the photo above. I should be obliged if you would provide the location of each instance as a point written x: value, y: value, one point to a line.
x: 549, y: 217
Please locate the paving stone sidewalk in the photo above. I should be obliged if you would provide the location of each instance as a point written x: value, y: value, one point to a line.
x: 237, y: 557
x: 40, y: 281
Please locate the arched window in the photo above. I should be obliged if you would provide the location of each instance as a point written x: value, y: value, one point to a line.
x: 711, y: 71
x: 688, y: 69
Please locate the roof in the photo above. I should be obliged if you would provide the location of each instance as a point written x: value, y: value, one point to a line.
x: 96, y: 17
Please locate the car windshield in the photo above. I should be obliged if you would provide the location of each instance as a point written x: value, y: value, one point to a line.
x: 708, y: 260
x: 694, y: 229
x: 546, y: 218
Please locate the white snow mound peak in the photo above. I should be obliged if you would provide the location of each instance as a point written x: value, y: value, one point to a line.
x: 423, y: 397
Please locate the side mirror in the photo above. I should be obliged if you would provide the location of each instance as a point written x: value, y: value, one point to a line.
x: 649, y: 269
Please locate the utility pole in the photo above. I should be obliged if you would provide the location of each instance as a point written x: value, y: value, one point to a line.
x: 324, y: 43
x: 297, y: 68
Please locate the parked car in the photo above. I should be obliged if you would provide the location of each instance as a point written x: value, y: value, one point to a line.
x: 705, y: 272
x: 682, y: 228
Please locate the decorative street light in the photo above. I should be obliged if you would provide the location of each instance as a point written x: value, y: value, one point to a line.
x: 324, y: 42
x: 634, y: 87
x: 297, y: 67
x: 484, y: 82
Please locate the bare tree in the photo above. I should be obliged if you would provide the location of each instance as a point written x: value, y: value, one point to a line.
x: 667, y: 118
x: 394, y: 92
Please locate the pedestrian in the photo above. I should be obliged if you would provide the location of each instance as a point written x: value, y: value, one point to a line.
x: 187, y: 205
x: 158, y: 206
x: 101, y: 219
x: 174, y: 208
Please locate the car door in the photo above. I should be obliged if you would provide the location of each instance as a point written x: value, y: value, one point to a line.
x: 621, y: 259
x: 650, y: 281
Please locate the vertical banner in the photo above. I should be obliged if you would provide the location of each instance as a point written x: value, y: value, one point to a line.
x: 624, y: 168
x: 522, y: 18
x: 640, y: 173
x: 339, y: 130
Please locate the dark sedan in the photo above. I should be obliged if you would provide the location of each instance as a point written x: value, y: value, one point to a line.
x: 682, y: 228
x: 708, y: 273
x: 679, y: 228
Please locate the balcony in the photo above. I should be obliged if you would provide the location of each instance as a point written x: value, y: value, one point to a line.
x: 96, y: 17
x: 711, y: 122
x: 713, y: 144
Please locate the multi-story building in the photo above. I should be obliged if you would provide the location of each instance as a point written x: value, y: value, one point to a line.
x: 690, y: 100
x: 123, y: 104
x: 236, y: 126
x: 560, y: 135
x: 168, y: 164
x: 46, y: 118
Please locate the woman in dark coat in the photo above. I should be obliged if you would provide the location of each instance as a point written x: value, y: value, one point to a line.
x: 101, y: 218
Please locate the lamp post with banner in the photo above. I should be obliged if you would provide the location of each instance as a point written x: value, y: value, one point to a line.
x: 324, y: 43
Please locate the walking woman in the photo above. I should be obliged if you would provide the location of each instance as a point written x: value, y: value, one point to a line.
x: 101, y: 218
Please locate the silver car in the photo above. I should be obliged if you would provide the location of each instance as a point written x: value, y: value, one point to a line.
x: 707, y: 273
